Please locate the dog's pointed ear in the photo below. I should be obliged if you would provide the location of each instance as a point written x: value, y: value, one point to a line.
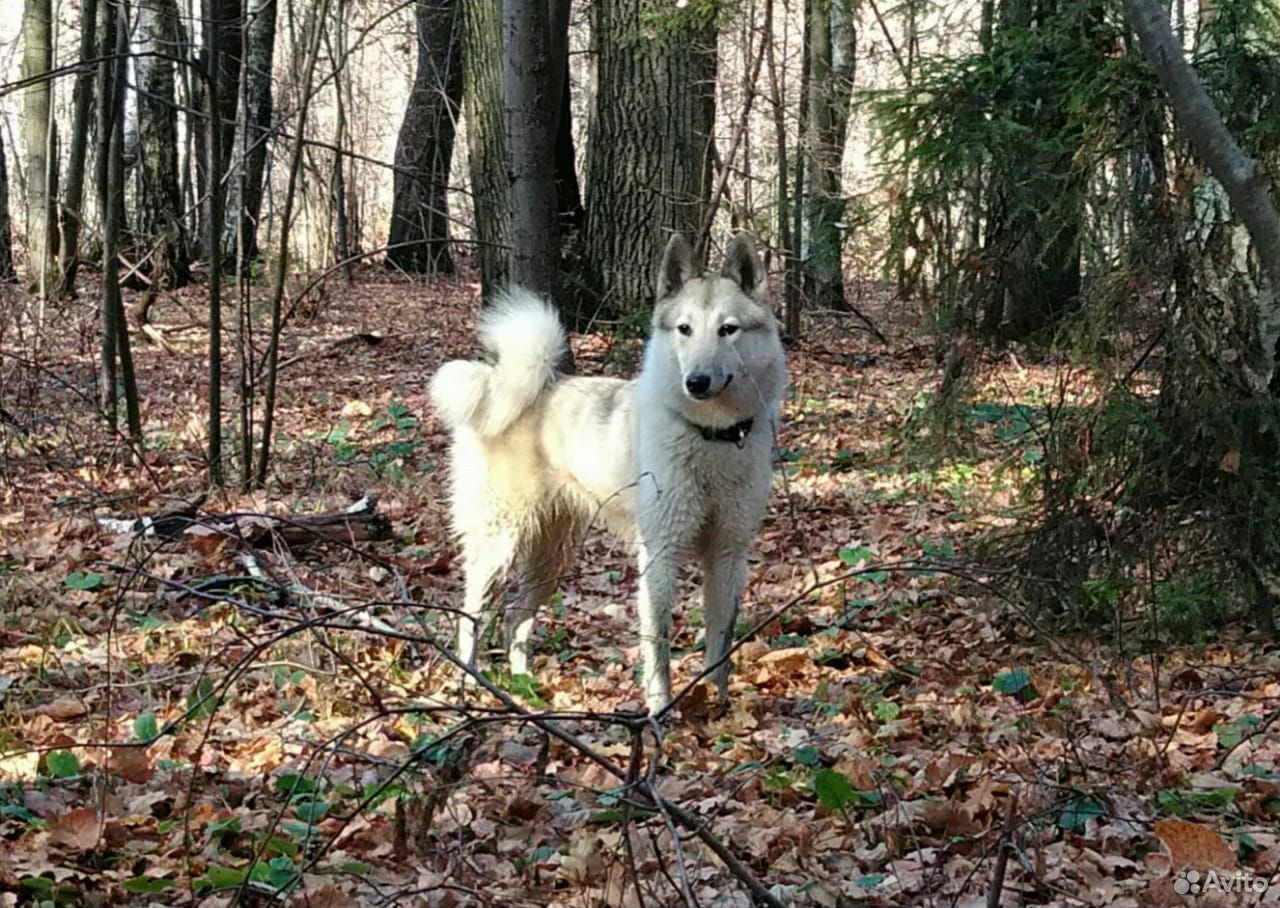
x: 742, y: 264
x: 676, y: 268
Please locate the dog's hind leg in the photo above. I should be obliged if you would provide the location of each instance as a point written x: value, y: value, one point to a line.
x: 486, y: 559
x: 659, y: 578
x: 724, y: 574
x: 539, y: 576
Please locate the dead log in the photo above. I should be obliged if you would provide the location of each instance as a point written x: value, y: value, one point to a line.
x: 359, y: 522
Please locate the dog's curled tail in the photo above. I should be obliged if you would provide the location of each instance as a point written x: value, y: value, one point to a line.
x: 522, y: 334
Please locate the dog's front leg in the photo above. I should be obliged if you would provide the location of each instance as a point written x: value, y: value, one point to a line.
x: 659, y: 574
x: 724, y: 574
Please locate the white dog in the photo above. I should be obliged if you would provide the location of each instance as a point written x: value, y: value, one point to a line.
x: 680, y: 456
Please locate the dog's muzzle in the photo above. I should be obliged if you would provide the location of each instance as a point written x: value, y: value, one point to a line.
x: 698, y: 386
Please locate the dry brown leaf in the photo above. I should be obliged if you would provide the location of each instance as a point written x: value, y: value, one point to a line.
x: 790, y: 655
x: 1204, y: 721
x: 131, y: 763
x: 63, y: 709
x: 1194, y: 845
x: 77, y: 830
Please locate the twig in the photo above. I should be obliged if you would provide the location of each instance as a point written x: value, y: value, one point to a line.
x: 1002, y: 856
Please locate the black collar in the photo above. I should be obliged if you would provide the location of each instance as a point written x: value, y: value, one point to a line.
x: 736, y: 433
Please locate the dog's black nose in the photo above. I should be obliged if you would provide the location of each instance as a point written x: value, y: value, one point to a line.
x: 697, y: 384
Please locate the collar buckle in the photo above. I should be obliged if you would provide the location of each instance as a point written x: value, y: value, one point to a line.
x: 736, y: 433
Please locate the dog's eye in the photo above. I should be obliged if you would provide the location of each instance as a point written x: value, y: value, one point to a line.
x: 726, y: 330
x: 686, y: 330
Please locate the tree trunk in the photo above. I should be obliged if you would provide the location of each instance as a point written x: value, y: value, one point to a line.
x: 39, y: 138
x: 213, y: 226
x: 315, y: 34
x: 7, y: 272
x: 831, y: 68
x: 1037, y: 206
x: 115, y: 334
x: 649, y: 149
x: 786, y: 245
x: 419, y: 237
x: 225, y: 17
x: 252, y: 129
x: 1245, y: 182
x: 159, y: 202
x: 486, y: 139
x: 795, y: 262
x: 73, y: 197
x: 108, y: 31
x: 532, y: 83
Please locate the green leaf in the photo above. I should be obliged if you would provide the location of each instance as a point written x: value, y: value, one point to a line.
x: 144, y: 727
x: 856, y: 556
x: 526, y: 688
x: 41, y: 885
x: 147, y: 884
x: 224, y: 877
x: 1080, y: 812
x: 229, y: 825
x: 338, y: 434
x: 84, y: 580
x: 1260, y: 772
x: 1185, y: 803
x: 1230, y: 736
x: 281, y: 845
x: 311, y: 811
x: 201, y: 702
x: 281, y: 873
x: 940, y: 550
x: 294, y: 783
x: 807, y: 755
x: 886, y: 710
x: 63, y: 764
x: 833, y: 789
x: 1016, y: 682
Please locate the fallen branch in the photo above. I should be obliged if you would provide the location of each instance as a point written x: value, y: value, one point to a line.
x: 165, y: 525
x: 359, y: 522
x: 365, y: 337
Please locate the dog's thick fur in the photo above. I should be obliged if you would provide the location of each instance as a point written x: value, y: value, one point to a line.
x: 664, y: 459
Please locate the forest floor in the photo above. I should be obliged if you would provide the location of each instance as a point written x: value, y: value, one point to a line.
x: 174, y: 731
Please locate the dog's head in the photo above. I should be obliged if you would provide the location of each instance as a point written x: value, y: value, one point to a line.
x: 718, y: 326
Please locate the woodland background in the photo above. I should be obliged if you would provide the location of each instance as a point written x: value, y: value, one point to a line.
x: 1009, y: 638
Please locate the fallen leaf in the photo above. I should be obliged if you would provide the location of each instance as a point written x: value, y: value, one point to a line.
x: 1194, y: 845
x: 63, y: 709
x: 78, y: 829
x: 131, y: 763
